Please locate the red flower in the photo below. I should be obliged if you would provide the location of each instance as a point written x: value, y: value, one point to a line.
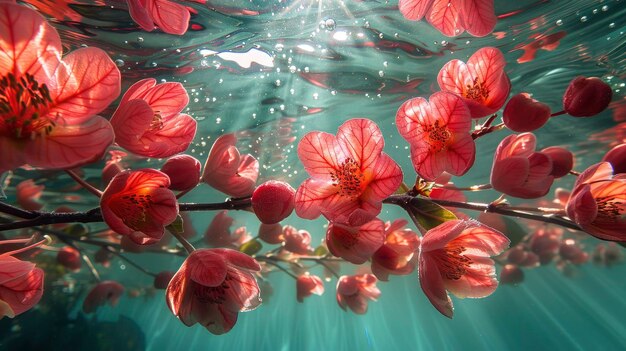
x: 353, y: 292
x: 48, y: 104
x: 396, y: 256
x: 355, y: 244
x: 562, y: 160
x: 453, y: 17
x: 482, y: 82
x: 170, y: 17
x: 21, y: 286
x: 454, y: 256
x: 139, y: 204
x: 218, y: 233
x: 227, y: 171
x: 271, y: 233
x: 438, y: 131
x: 520, y: 171
x: 350, y: 173
x: 211, y: 287
x: 307, y: 284
x: 148, y: 121
x: 107, y: 291
x: 617, y: 158
x: 598, y: 202
x: 183, y: 170
x: 69, y: 258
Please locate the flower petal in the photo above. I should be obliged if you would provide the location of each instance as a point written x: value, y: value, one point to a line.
x: 442, y: 234
x: 445, y: 16
x: 478, y: 281
x: 414, y: 10
x: 28, y: 43
x: 140, y: 15
x: 433, y: 286
x: 479, y: 17
x: 170, y: 17
x: 69, y: 146
x: 313, y: 195
x: 87, y: 82
x: 206, y: 268
x: 320, y: 154
x: 362, y: 140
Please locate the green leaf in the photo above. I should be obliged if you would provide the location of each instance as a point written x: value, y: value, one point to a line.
x: 177, y: 225
x: 429, y: 214
x: 76, y: 229
x: 251, y: 247
x: 320, y: 251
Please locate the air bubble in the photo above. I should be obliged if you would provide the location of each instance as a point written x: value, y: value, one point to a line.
x: 583, y: 19
x: 559, y: 22
x: 140, y: 39
x: 279, y: 47
x: 119, y: 63
x: 330, y: 24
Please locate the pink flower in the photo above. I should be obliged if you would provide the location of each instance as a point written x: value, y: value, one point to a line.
x: 21, y: 286
x: 453, y: 17
x: 396, y: 256
x: 183, y: 170
x: 438, y: 131
x: 148, y: 121
x: 211, y: 287
x: 28, y: 194
x: 227, y: 171
x: 355, y: 290
x: 48, y: 104
x: 520, y: 171
x: 107, y: 291
x: 454, y: 256
x: 597, y: 202
x: 525, y: 114
x: 355, y: 244
x: 297, y: 241
x: 307, y: 284
x: 170, y: 17
x: 138, y: 204
x: 218, y: 233
x: 350, y: 173
x: 273, y: 201
x: 545, y: 243
x: 586, y: 97
x: 482, y: 82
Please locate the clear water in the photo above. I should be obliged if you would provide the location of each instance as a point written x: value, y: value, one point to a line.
x: 313, y: 75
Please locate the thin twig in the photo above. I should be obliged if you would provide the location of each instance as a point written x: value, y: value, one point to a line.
x: 92, y: 189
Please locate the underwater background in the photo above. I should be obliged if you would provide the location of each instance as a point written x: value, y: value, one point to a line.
x: 255, y: 67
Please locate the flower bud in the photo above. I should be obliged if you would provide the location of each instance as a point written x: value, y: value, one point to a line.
x: 110, y: 171
x: 163, y: 279
x: 273, y: 201
x: 69, y: 258
x: 271, y: 233
x: 562, y: 160
x: 511, y: 274
x: 183, y: 170
x: 617, y: 158
x: 524, y: 114
x: 586, y: 97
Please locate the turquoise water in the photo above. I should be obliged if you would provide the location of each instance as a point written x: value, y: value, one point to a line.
x: 315, y: 65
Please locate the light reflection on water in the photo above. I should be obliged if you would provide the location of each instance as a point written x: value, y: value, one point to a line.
x: 271, y: 71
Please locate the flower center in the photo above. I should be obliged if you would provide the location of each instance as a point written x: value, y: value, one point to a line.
x: 157, y: 122
x: 438, y: 137
x: 23, y: 103
x: 132, y: 209
x: 478, y: 91
x: 452, y: 265
x: 609, y: 208
x: 348, y: 178
x: 212, y: 294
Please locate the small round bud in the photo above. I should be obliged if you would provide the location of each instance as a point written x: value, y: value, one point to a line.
x: 271, y: 233
x: 273, y: 201
x: 183, y: 170
x: 562, y: 160
x: 617, y: 158
x: 525, y: 114
x: 163, y: 279
x: 511, y: 274
x: 586, y: 97
x: 69, y: 258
